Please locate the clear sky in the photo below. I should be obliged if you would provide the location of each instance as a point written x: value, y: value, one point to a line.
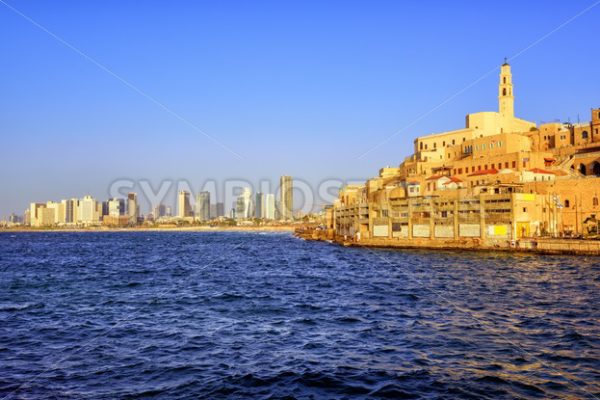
x: 300, y: 88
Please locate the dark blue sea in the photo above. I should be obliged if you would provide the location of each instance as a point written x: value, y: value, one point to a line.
x: 171, y: 315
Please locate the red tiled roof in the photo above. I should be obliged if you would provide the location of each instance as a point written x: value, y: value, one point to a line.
x: 492, y: 171
x: 452, y: 180
x: 549, y: 159
x: 434, y: 177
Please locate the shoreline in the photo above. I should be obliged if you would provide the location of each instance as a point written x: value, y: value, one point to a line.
x: 538, y: 246
x: 283, y: 228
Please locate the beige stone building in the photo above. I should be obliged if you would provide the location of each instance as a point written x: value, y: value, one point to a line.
x: 497, y: 180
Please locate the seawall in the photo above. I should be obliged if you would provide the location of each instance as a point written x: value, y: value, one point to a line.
x: 530, y: 245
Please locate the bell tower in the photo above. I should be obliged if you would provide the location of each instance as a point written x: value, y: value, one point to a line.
x: 506, y: 101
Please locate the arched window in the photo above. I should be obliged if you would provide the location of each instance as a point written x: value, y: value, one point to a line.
x: 504, y: 80
x: 584, y: 134
x: 596, y: 168
x: 567, y: 203
x: 504, y: 92
x: 582, y: 169
x: 595, y: 201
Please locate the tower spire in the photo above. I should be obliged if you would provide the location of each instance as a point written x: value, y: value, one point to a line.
x: 506, y: 101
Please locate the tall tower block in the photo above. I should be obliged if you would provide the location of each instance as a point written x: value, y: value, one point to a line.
x: 506, y: 101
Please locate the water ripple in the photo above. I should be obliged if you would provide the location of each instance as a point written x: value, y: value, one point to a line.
x: 232, y: 315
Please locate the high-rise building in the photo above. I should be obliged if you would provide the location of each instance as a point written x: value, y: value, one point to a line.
x: 184, y: 208
x: 220, y: 210
x: 116, y: 207
x: 159, y: 211
x: 286, y: 205
x: 243, y: 206
x: 133, y: 208
x: 105, y: 209
x: 202, y: 206
x: 35, y: 213
x: 259, y: 201
x: 217, y: 210
x: 268, y: 208
x: 58, y: 212
x: 70, y: 205
x: 88, y: 212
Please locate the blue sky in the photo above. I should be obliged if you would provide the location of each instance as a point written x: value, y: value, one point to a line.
x: 298, y: 88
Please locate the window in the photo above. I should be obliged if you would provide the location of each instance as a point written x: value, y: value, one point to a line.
x: 421, y: 145
x: 524, y: 209
x: 584, y: 134
x: 595, y: 201
x: 486, y: 166
x: 514, y: 164
x: 567, y: 203
x: 506, y: 164
x: 482, y: 146
x: 425, y: 146
x: 434, y: 145
x: 504, y: 80
x: 473, y: 169
x: 504, y: 92
x: 449, y: 155
x: 491, y: 145
x: 453, y: 141
x: 499, y: 165
x: 524, y: 164
x: 499, y: 143
x: 444, y: 143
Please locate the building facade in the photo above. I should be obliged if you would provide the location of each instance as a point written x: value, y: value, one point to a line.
x: 497, y: 180
x: 286, y: 202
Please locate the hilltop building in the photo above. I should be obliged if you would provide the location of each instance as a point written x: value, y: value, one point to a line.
x: 498, y: 179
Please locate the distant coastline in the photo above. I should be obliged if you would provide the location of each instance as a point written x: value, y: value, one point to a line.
x: 276, y: 228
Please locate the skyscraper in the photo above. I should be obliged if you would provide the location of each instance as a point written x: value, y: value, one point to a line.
x: 116, y: 207
x: 184, y: 209
x: 286, y: 206
x: 159, y: 211
x: 259, y: 201
x: 133, y: 209
x: 202, y: 206
x: 71, y: 206
x: 243, y: 206
x: 269, y: 206
x: 88, y: 211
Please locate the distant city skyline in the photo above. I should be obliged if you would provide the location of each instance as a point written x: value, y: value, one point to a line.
x: 305, y: 89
